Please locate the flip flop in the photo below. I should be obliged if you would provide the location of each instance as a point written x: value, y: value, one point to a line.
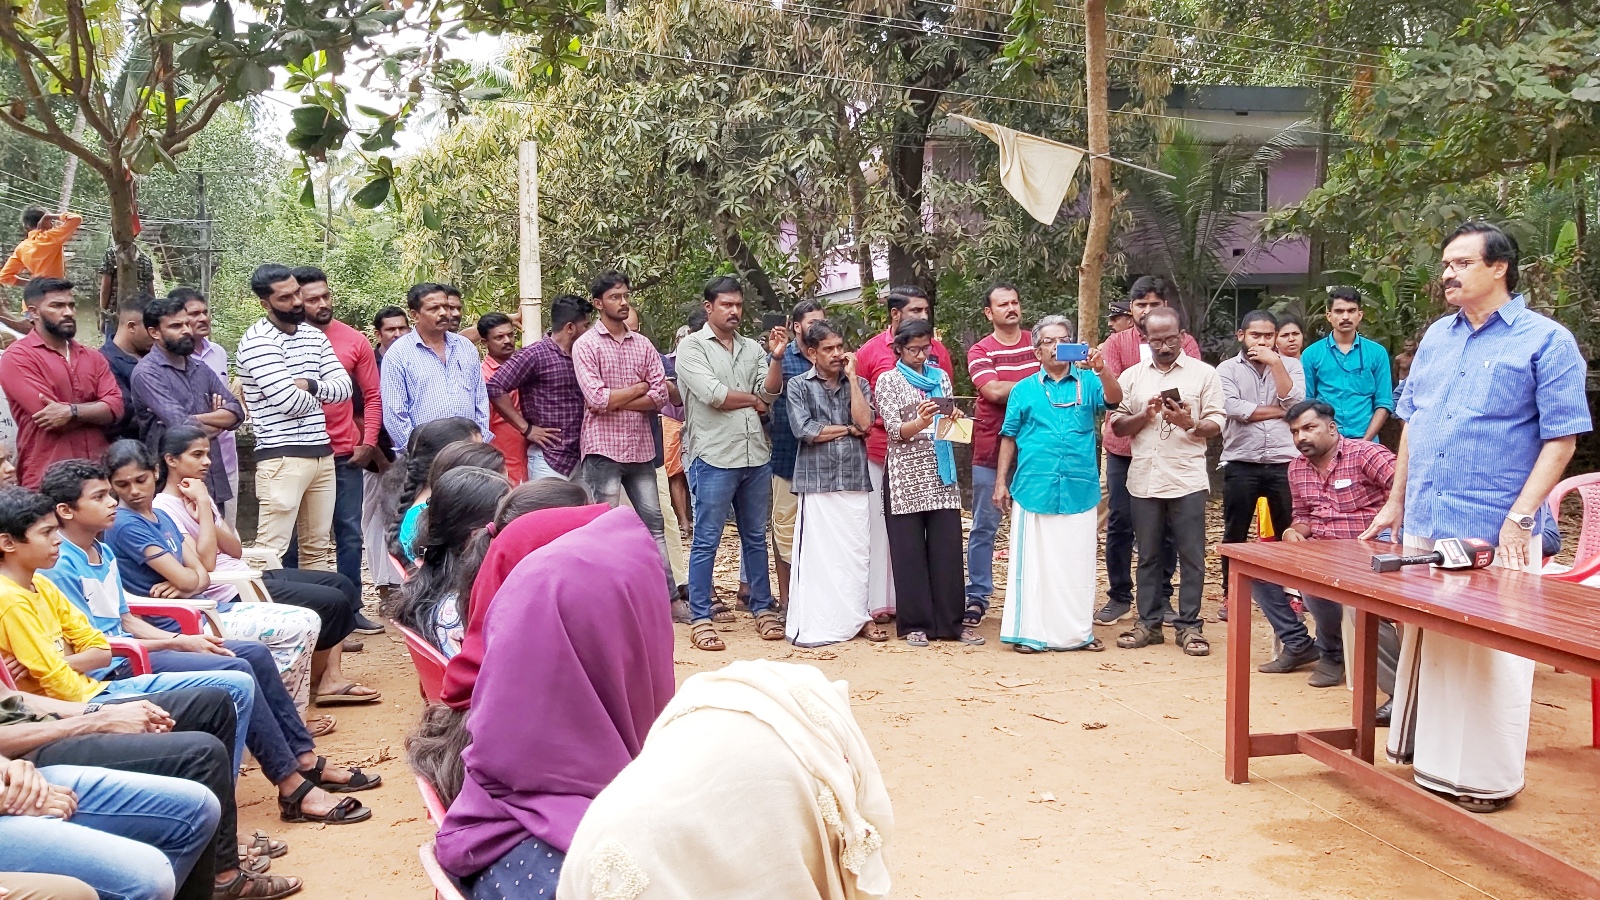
x: 321, y: 726
x: 345, y: 697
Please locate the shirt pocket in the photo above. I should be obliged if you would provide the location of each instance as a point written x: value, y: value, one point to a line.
x: 1510, y: 389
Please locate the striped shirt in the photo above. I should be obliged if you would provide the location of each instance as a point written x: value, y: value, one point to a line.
x: 288, y: 421
x: 989, y: 360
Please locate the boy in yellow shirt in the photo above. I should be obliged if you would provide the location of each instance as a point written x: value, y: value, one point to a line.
x: 52, y: 649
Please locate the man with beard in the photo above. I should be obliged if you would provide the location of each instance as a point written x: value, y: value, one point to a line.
x: 289, y: 371
x: 62, y: 394
x: 215, y: 356
x: 126, y: 346
x: 433, y: 372
x: 354, y: 437
x: 175, y: 389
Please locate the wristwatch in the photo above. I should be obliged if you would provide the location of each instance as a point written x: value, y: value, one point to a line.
x: 1523, y: 522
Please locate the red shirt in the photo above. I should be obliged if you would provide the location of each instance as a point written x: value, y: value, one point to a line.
x: 989, y: 360
x: 876, y: 357
x: 356, y: 355
x: 1345, y: 502
x: 505, y: 437
x: 1123, y: 351
x: 29, y: 368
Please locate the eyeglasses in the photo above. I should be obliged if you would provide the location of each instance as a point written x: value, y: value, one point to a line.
x: 1075, y: 401
x: 1457, y: 265
x: 914, y: 351
x: 1174, y: 341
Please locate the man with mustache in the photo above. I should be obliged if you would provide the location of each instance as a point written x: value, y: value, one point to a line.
x: 173, y: 388
x: 1349, y: 371
x: 289, y: 371
x: 1493, y: 407
x: 432, y: 372
x: 62, y: 394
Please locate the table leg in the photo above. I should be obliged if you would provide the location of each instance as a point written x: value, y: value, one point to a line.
x: 1237, y: 753
x: 1364, y: 710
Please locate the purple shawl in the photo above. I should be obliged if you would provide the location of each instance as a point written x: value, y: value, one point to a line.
x: 575, y: 670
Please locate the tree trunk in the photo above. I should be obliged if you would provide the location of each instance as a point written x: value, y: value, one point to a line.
x: 1099, y: 236
x: 755, y: 276
x: 906, y: 164
x: 119, y: 196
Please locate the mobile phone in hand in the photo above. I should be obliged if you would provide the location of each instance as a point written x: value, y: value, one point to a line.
x: 770, y: 321
x: 1173, y: 395
x: 945, y: 404
x: 1072, y: 352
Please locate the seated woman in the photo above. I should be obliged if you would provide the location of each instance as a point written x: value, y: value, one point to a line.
x: 410, y: 484
x: 169, y: 537
x: 435, y: 747
x: 792, y: 783
x: 466, y: 502
x: 577, y: 663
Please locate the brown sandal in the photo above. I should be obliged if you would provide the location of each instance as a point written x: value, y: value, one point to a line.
x: 704, y: 637
x: 769, y: 626
x: 246, y: 886
x: 1194, y: 643
x: 874, y: 632
x: 720, y: 613
x: 321, y: 726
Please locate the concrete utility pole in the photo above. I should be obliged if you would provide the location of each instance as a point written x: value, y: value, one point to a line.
x: 205, y: 233
x: 530, y: 276
x: 1094, y: 245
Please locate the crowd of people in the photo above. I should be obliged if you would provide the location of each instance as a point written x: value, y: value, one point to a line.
x: 475, y: 490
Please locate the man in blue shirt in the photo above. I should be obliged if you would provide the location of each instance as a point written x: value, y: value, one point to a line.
x: 1493, y: 407
x: 1050, y: 435
x: 432, y: 372
x: 1350, y: 372
x: 785, y: 445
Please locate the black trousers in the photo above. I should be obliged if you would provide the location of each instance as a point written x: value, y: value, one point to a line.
x: 1243, y: 483
x: 930, y: 582
x: 328, y: 594
x: 199, y: 749
x: 1185, y: 519
x: 1119, y: 538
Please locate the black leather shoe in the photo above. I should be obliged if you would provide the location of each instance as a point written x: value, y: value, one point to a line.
x: 1384, y: 712
x: 1288, y: 662
x: 1326, y: 674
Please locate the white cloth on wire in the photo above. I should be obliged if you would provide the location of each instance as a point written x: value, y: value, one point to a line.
x: 1036, y: 171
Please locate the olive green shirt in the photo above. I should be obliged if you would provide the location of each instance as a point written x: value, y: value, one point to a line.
x: 707, y: 371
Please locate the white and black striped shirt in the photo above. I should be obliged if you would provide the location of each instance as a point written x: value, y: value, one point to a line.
x: 287, y: 420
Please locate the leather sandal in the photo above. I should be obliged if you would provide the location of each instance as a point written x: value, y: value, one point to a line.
x: 246, y: 886
x: 704, y: 637
x: 359, y: 781
x: 1140, y: 636
x: 1193, y: 642
x: 720, y: 613
x: 263, y: 845
x: 769, y: 626
x: 346, y: 812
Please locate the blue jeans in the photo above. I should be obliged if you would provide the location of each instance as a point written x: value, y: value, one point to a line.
x: 1275, y: 608
x: 606, y: 480
x: 349, y: 489
x: 748, y: 492
x: 277, y: 733
x: 241, y: 689
x: 539, y: 468
x: 980, y: 543
x: 134, y: 837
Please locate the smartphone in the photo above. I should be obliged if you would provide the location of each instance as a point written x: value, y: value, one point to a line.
x: 945, y: 404
x: 1072, y: 352
x: 1173, y: 395
x: 771, y: 320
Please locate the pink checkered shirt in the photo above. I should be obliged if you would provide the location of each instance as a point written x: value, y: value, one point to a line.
x: 1344, y: 503
x: 604, y: 364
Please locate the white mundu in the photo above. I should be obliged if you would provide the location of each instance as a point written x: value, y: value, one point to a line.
x: 1461, y: 709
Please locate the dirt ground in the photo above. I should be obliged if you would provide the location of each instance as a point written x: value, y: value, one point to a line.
x: 1054, y: 775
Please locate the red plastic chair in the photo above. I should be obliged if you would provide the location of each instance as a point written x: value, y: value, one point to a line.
x: 429, y: 663
x: 431, y: 799
x: 444, y: 888
x: 121, y: 648
x: 190, y: 619
x: 1585, y: 562
x: 401, y: 567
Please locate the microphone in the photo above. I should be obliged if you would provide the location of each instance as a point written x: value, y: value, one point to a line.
x: 1448, y: 553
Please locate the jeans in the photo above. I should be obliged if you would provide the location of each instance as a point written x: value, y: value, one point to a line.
x: 1330, y: 618
x: 538, y: 467
x: 1244, y: 483
x: 277, y: 734
x: 133, y: 836
x: 1182, y: 520
x: 748, y: 492
x: 241, y: 690
x: 1119, y: 538
x: 606, y: 479
x: 197, y: 749
x: 980, y: 543
x: 349, y: 493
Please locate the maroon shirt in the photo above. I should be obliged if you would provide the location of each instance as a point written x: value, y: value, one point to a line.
x: 29, y: 368
x: 1344, y: 503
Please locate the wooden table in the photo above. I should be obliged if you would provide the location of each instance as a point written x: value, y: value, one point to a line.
x: 1536, y: 618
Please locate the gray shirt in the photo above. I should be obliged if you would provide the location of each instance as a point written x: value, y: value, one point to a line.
x: 1244, y: 389
x: 707, y: 371
x: 836, y: 465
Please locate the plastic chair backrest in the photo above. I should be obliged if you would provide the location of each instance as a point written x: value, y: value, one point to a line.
x: 1588, y: 488
x: 5, y: 678
x: 431, y: 799
x: 444, y: 887
x: 429, y: 662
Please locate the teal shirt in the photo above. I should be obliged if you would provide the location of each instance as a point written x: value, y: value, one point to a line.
x: 1058, y: 469
x: 1355, y: 384
x: 408, y: 531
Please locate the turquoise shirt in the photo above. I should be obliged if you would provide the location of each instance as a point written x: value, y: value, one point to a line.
x: 1053, y: 423
x: 1355, y: 384
x: 408, y: 531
